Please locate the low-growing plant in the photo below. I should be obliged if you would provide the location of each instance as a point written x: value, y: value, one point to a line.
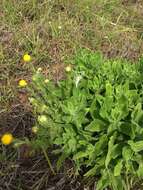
x: 95, y: 116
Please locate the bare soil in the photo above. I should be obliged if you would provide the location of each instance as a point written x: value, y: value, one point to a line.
x: 20, y: 169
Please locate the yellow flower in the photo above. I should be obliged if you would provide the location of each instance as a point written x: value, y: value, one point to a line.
x: 42, y: 119
x: 59, y: 27
x: 68, y: 68
x: 39, y: 69
x: 46, y: 81
x: 27, y: 58
x: 22, y: 83
x: 35, y: 129
x: 7, y: 139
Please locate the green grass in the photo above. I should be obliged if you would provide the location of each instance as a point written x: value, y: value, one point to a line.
x: 52, y: 31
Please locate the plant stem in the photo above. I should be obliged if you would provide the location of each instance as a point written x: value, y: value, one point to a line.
x: 127, y: 181
x: 48, y: 160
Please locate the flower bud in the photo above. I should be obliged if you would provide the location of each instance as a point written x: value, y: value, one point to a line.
x: 43, y: 108
x: 46, y: 81
x: 42, y: 119
x: 68, y: 68
x: 39, y: 69
x: 35, y: 129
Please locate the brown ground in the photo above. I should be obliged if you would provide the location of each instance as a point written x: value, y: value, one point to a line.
x: 20, y: 170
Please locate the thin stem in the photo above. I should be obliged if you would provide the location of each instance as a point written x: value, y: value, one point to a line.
x: 48, y: 160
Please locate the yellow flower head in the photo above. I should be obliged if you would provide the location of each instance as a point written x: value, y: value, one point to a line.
x: 35, y: 129
x: 27, y: 58
x: 46, y: 81
x: 59, y: 27
x: 39, y: 69
x: 7, y: 139
x: 22, y: 83
x: 68, y: 68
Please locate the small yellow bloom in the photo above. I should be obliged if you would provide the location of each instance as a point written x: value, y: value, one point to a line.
x: 35, y: 129
x: 68, y: 68
x: 27, y: 58
x: 34, y: 78
x: 7, y: 139
x: 39, y: 69
x: 59, y: 27
x: 46, y: 81
x: 22, y: 83
x: 42, y: 119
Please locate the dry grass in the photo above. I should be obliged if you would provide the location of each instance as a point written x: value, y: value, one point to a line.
x: 52, y: 31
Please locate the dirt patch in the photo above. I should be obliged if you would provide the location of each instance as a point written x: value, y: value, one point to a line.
x: 19, y: 169
x: 34, y: 174
x: 123, y: 47
x: 5, y: 36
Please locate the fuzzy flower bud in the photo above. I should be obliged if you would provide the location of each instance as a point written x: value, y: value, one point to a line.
x: 42, y: 119
x: 68, y: 69
x: 35, y: 129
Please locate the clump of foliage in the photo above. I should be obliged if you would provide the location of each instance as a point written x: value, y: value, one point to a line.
x: 95, y: 116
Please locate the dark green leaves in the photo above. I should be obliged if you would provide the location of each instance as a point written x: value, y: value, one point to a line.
x: 118, y: 168
x: 136, y: 146
x: 110, y: 148
x: 127, y: 153
x: 97, y: 123
x: 128, y: 129
x: 100, y: 145
x: 137, y: 114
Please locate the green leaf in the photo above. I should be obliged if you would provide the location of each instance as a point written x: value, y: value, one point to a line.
x: 118, y: 168
x: 100, y: 145
x: 116, y: 151
x: 72, y: 144
x: 96, y: 125
x: 137, y: 114
x: 112, y: 127
x: 92, y: 171
x: 122, y: 99
x: 94, y: 109
x: 104, y: 113
x: 130, y: 168
x: 120, y: 110
x: 104, y: 181
x: 127, y: 153
x: 100, y: 99
x: 128, y: 129
x: 138, y: 158
x: 80, y: 154
x: 136, y: 146
x: 79, y: 119
x: 140, y: 170
x: 67, y: 119
x: 109, y: 89
x: 108, y: 103
x: 116, y: 182
x: 110, y: 147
